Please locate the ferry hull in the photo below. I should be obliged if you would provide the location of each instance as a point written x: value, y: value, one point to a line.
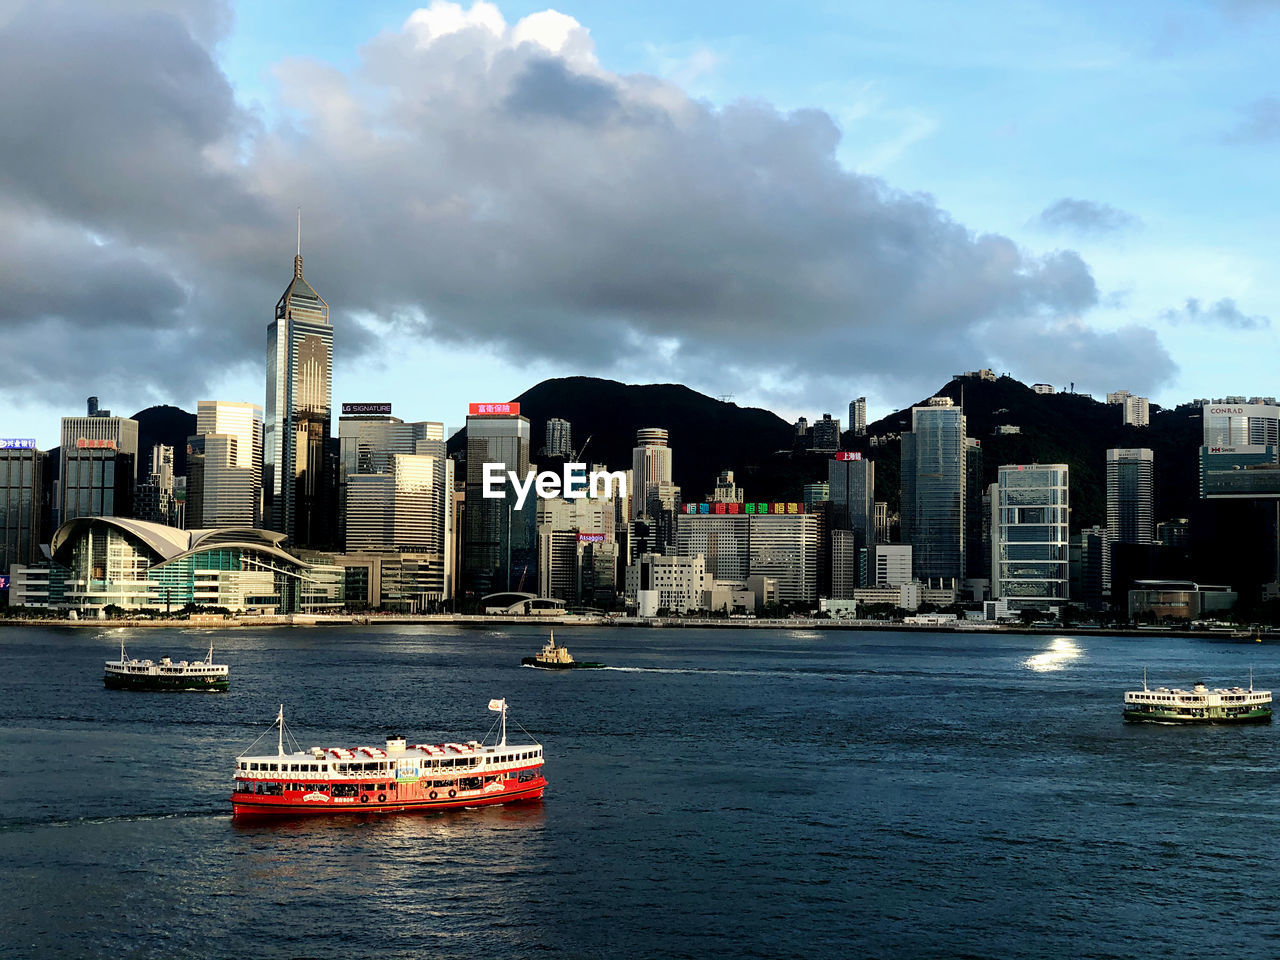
x: 166, y: 684
x: 1252, y: 716
x: 533, y: 662
x: 246, y: 806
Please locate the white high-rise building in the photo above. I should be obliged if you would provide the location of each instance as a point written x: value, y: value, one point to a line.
x: 650, y: 468
x: 559, y: 438
x: 224, y: 466
x: 1030, y: 562
x: 858, y: 416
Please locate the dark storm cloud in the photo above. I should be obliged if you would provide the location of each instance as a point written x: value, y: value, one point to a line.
x: 1224, y: 313
x: 483, y: 183
x: 1260, y: 123
x: 1084, y: 218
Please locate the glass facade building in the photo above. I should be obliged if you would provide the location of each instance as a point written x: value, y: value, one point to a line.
x: 298, y: 494
x: 21, y: 474
x: 1031, y: 557
x: 99, y: 467
x: 934, y: 489
x: 500, y: 546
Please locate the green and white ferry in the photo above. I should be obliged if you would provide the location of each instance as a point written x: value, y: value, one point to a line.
x: 1197, y: 705
x: 129, y: 673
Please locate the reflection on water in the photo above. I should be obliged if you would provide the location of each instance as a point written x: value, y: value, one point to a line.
x: 1060, y: 653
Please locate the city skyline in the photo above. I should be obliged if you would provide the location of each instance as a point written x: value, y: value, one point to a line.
x: 1098, y: 280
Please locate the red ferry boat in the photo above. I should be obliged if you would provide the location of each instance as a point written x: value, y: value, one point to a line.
x: 396, y: 778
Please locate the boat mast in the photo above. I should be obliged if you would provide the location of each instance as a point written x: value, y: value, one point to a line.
x: 1144, y: 678
x: 122, y: 649
x: 504, y: 722
x: 1251, y: 679
x: 280, y: 743
x: 209, y: 656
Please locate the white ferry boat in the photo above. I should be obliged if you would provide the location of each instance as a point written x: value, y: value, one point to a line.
x: 396, y: 778
x: 1197, y: 705
x: 129, y: 673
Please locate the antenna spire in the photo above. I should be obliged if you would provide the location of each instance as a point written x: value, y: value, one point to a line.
x: 297, y: 261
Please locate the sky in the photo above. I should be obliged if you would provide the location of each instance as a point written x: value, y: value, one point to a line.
x: 792, y: 205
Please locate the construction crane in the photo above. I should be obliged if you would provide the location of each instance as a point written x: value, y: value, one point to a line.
x: 583, y: 449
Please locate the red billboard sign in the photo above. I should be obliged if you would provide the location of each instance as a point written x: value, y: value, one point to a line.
x: 490, y: 409
x: 85, y: 444
x: 848, y: 456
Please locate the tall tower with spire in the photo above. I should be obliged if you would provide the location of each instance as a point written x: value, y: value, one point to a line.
x: 298, y: 494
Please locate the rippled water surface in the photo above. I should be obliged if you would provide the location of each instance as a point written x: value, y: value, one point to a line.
x: 714, y: 792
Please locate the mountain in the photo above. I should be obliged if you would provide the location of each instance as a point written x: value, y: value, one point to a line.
x: 706, y: 435
x: 1069, y: 428
x: 167, y: 425
x: 709, y: 435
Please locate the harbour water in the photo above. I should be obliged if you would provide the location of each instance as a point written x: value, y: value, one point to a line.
x: 734, y: 793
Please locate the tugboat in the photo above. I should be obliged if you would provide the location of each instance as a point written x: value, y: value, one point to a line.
x: 552, y: 657
x: 1197, y: 705
x: 395, y: 778
x: 134, y: 674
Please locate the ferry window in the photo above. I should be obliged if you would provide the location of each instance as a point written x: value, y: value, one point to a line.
x: 294, y: 768
x: 253, y: 766
x: 273, y: 766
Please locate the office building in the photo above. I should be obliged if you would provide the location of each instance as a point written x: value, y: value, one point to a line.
x: 156, y: 499
x: 99, y: 465
x: 500, y: 544
x: 224, y: 466
x: 298, y: 476
x: 934, y: 490
x: 1131, y: 495
x: 1030, y: 563
x: 21, y: 477
x: 851, y: 486
x: 774, y: 540
x: 816, y: 493
x: 659, y: 584
x: 1087, y: 551
x: 891, y: 565
x: 559, y: 438
x: 858, y: 417
x: 577, y: 549
x: 846, y: 565
x: 726, y: 491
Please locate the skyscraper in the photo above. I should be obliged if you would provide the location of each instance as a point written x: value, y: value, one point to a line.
x: 99, y: 467
x: 852, y: 492
x: 559, y: 438
x: 650, y: 469
x: 156, y: 499
x: 500, y: 547
x: 21, y: 465
x: 933, y: 489
x: 1131, y: 495
x: 224, y: 466
x: 297, y: 478
x: 1030, y: 562
x: 858, y: 416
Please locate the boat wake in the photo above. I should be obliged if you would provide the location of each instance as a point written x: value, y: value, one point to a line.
x: 712, y: 672
x: 26, y: 823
